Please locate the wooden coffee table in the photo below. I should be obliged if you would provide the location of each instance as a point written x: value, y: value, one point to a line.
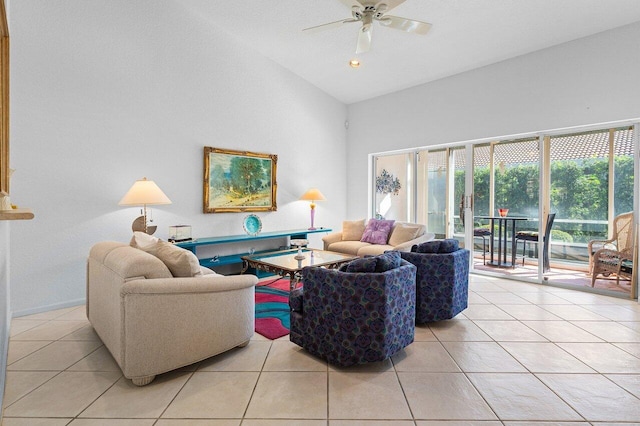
x: 286, y: 264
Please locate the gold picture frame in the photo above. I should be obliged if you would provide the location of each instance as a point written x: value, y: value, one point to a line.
x: 239, y: 181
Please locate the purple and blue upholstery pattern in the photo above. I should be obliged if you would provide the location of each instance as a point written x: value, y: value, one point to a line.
x: 442, y: 283
x: 354, y: 318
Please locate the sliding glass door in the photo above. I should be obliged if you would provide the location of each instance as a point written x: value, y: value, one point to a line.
x: 591, y: 183
x: 432, y: 190
x: 585, y: 178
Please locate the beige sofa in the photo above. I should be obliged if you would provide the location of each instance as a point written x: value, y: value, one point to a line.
x: 402, y: 237
x: 152, y: 322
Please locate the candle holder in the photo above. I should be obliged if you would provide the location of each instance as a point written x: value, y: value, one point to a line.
x: 299, y: 243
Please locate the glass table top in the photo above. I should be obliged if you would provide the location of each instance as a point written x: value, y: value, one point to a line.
x: 286, y: 259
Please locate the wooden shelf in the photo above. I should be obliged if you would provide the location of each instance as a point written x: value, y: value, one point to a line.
x: 16, y: 214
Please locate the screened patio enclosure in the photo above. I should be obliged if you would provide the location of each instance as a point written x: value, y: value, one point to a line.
x: 586, y: 177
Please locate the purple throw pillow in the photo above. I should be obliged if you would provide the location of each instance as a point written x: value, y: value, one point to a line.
x: 377, y: 231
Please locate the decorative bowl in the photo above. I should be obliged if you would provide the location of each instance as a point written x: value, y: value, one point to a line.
x: 252, y: 224
x: 503, y: 212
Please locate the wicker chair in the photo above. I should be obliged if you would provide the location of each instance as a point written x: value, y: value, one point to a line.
x: 615, y: 255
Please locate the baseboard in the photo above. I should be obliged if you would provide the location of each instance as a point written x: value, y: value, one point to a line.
x: 48, y: 308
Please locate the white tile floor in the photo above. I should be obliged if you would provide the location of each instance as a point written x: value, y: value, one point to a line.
x: 521, y: 354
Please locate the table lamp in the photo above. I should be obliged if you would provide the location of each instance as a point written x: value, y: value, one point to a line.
x: 313, y: 195
x: 142, y: 193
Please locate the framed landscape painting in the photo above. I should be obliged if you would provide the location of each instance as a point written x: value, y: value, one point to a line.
x: 239, y: 181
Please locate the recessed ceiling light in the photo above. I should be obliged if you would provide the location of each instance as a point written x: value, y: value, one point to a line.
x: 354, y: 63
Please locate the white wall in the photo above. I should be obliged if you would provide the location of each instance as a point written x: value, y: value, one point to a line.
x: 106, y: 92
x: 587, y: 81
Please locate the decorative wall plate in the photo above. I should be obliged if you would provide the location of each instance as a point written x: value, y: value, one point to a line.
x: 252, y: 224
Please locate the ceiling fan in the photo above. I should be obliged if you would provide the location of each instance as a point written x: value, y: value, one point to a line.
x: 368, y: 11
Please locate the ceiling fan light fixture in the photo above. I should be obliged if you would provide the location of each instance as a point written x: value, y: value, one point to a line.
x: 366, y: 12
x: 354, y: 63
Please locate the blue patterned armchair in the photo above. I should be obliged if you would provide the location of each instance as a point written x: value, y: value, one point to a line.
x: 442, y: 280
x: 350, y: 316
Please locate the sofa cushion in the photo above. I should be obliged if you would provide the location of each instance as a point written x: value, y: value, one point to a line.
x: 373, y: 249
x: 181, y: 262
x: 129, y: 263
x: 352, y: 230
x: 347, y: 247
x: 144, y: 242
x: 387, y: 261
x: 449, y: 245
x: 377, y: 231
x: 403, y: 232
x: 427, y: 247
x: 366, y: 264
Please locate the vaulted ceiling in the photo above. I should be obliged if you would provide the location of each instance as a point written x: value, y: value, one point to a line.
x: 466, y: 34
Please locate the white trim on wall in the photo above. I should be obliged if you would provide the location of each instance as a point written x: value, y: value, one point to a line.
x: 47, y: 308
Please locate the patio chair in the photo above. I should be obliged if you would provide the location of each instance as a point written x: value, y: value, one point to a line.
x: 532, y: 236
x: 615, y: 255
x: 621, y: 239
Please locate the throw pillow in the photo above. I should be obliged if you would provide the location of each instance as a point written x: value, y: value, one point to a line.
x: 181, y: 262
x: 388, y: 260
x: 449, y: 245
x: 427, y: 247
x: 144, y: 242
x: 365, y: 264
x: 352, y: 230
x: 403, y: 232
x: 377, y: 231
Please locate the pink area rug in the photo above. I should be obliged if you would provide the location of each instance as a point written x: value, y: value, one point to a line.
x: 272, y: 308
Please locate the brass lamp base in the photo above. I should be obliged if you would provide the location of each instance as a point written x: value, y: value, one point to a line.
x: 140, y: 225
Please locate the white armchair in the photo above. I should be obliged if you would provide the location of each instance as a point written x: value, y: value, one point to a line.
x: 152, y: 322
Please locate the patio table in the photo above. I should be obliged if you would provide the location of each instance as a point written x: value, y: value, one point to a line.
x: 503, y: 228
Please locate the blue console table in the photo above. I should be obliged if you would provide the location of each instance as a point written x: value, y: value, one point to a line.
x: 237, y: 258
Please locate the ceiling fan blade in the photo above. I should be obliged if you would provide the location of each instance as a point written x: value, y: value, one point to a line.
x: 364, y: 38
x: 390, y: 4
x: 404, y: 24
x: 329, y: 25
